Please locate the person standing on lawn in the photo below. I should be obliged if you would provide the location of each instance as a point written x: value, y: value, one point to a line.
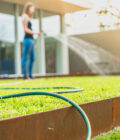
x: 28, y: 42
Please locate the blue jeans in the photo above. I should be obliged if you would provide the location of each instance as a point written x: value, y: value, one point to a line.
x: 28, y: 56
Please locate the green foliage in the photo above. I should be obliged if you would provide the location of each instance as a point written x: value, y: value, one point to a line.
x: 112, y: 135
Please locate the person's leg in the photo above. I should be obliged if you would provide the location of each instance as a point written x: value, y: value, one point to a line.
x: 25, y: 58
x: 32, y: 59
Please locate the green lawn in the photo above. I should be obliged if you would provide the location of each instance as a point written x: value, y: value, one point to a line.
x: 95, y: 88
x: 112, y: 135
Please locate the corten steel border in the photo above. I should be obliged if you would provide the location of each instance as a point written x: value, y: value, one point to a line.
x: 63, y: 124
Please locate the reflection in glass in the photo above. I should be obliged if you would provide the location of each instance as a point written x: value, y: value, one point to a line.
x: 7, y: 39
x: 51, y: 27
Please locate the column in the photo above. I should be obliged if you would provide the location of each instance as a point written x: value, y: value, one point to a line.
x: 41, y: 50
x: 17, y: 49
x: 64, y: 49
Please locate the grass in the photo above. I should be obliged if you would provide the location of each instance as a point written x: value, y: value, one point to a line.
x: 112, y: 135
x: 96, y: 88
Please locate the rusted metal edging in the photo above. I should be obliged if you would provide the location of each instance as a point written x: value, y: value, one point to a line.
x: 63, y: 124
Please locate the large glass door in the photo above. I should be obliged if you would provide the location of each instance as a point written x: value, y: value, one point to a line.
x: 7, y: 38
x: 51, y: 27
x: 6, y: 58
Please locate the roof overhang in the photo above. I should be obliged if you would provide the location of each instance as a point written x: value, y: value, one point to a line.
x: 57, y: 6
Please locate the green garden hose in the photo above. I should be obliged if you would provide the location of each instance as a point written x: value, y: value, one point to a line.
x: 71, y: 89
x: 57, y: 96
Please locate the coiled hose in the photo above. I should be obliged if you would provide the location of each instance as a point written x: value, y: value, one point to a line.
x: 52, y: 93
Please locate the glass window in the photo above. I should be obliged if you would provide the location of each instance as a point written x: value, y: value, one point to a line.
x: 50, y: 50
x: 51, y: 24
x: 51, y: 27
x: 7, y: 38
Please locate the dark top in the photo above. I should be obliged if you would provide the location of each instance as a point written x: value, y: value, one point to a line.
x: 30, y: 36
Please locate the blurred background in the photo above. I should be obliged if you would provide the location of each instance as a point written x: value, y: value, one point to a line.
x: 80, y: 37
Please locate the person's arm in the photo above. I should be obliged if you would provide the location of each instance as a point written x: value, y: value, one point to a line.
x: 25, y: 25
